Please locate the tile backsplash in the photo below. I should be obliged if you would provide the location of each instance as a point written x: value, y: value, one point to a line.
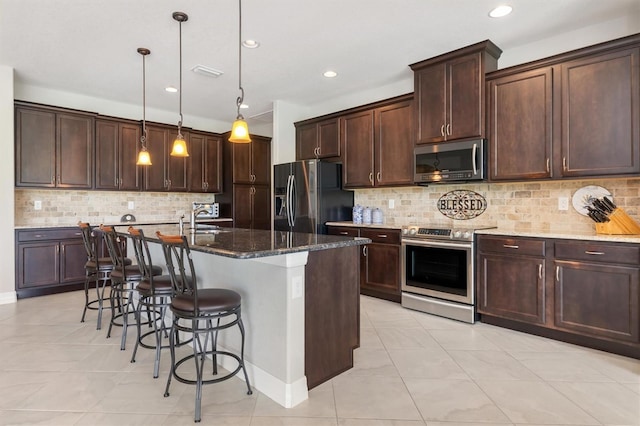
x: 517, y: 206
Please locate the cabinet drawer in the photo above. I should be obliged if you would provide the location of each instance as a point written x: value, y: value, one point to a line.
x: 48, y: 234
x: 343, y: 230
x: 386, y: 236
x: 516, y: 246
x: 598, y: 252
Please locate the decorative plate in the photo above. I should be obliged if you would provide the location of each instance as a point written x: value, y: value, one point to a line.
x: 583, y: 196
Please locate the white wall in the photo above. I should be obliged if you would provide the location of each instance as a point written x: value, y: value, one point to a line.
x: 7, y: 260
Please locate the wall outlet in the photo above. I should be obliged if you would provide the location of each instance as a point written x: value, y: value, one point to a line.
x: 37, y: 205
x: 130, y: 205
x: 392, y: 204
x: 563, y: 203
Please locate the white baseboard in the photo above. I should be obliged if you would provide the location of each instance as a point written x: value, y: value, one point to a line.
x: 8, y: 297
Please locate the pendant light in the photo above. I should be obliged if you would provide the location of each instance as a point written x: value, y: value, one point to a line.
x: 179, y: 145
x: 144, y: 159
x: 240, y: 130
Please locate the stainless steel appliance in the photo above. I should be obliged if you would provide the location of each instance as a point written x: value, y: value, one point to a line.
x: 450, y: 162
x: 308, y: 194
x: 206, y: 210
x: 438, y: 271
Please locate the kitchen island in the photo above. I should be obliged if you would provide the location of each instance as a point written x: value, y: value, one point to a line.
x: 300, y: 301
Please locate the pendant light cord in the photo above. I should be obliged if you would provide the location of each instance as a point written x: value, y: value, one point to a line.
x: 180, y: 97
x: 241, y: 97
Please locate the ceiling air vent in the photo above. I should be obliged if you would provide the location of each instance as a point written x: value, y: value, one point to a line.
x: 207, y: 71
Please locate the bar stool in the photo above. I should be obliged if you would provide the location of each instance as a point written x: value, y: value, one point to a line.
x: 97, y: 269
x: 154, y: 295
x: 199, y: 312
x: 124, y: 278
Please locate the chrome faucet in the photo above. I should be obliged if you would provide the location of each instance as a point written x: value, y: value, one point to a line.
x: 195, y: 213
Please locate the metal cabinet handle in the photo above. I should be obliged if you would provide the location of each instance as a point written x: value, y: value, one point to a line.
x: 371, y: 178
x: 540, y: 271
x: 379, y: 176
x: 564, y: 163
x: 548, y: 165
x: 510, y: 246
x: 381, y: 235
x: 364, y: 250
x: 449, y: 129
x: 442, y: 130
x: 344, y: 233
x: 594, y: 253
x: 558, y: 273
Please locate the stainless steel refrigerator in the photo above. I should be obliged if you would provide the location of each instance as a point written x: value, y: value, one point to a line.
x: 308, y: 194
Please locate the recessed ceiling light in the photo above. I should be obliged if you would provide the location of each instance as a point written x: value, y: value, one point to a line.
x: 171, y: 89
x: 250, y: 44
x: 208, y: 71
x: 500, y: 11
x: 330, y: 74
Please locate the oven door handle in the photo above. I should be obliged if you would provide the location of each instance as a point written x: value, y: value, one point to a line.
x: 464, y: 245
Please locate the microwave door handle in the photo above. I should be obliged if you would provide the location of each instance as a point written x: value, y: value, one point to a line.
x: 473, y: 159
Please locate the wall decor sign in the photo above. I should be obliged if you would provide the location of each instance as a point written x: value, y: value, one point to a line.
x: 462, y: 204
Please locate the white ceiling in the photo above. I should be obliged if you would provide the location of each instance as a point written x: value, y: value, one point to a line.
x: 89, y: 46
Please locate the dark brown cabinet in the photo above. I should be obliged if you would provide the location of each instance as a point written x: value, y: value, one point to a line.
x: 247, y: 183
x: 582, y: 292
x: 117, y: 146
x: 49, y: 260
x: 380, y: 260
x: 166, y: 173
x: 511, y: 278
x: 449, y: 93
x: 318, y: 139
x: 54, y: 148
x: 205, y: 162
x: 520, y: 125
x: 597, y: 289
x: 378, y: 145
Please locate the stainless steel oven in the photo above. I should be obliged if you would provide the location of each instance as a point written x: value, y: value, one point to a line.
x: 438, y: 271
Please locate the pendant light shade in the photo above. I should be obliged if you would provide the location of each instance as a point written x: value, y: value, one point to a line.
x: 240, y: 130
x: 144, y: 159
x: 179, y: 144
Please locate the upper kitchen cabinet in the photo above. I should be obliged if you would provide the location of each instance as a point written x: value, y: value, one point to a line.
x: 54, y: 147
x: 449, y: 93
x: 378, y: 144
x: 117, y: 143
x: 318, y: 139
x: 166, y: 173
x: 205, y: 162
x: 252, y: 161
x: 571, y: 115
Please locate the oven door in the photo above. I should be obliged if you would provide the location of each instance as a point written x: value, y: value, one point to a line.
x: 439, y: 269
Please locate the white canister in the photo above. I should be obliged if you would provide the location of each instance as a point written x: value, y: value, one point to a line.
x: 376, y: 216
x: 366, y: 216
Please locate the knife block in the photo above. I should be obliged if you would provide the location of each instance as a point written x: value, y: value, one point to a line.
x: 620, y: 223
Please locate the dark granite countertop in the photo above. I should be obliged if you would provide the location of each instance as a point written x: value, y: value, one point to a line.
x: 250, y: 243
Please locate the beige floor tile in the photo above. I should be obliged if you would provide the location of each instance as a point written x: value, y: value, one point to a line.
x: 514, y: 341
x: 492, y: 365
x: 434, y: 322
x: 58, y: 418
x: 321, y: 403
x: 463, y: 339
x: 373, y: 397
x: 468, y: 424
x: 370, y: 422
x: 372, y: 362
x: 616, y: 367
x: 609, y: 403
x: 534, y: 402
x: 397, y: 338
x: 120, y: 419
x: 176, y: 420
x: 369, y: 339
x: 423, y: 363
x: 292, y: 421
x: 453, y: 401
x: 560, y: 366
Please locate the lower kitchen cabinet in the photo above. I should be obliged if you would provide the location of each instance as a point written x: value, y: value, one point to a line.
x: 380, y: 260
x: 49, y: 260
x: 582, y: 292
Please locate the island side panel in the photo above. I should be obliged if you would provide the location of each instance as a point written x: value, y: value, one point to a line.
x: 332, y: 312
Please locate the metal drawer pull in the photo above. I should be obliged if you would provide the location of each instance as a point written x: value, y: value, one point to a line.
x: 510, y: 246
x: 344, y: 233
x: 38, y: 235
x: 382, y: 235
x: 540, y: 271
x: 595, y: 253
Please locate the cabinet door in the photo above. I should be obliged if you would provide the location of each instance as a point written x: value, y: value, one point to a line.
x: 380, y: 270
x: 261, y: 160
x: 520, y: 125
x: 129, y: 173
x: 512, y: 287
x: 430, y: 89
x: 157, y: 141
x: 261, y: 207
x: 74, y: 159
x: 35, y: 148
x: 356, y: 132
x: 205, y: 163
x: 394, y: 144
x: 598, y: 300
x: 600, y: 120
x: 38, y: 264
x: 242, y: 205
x: 107, y: 138
x: 242, y: 172
x: 306, y: 141
x: 464, y: 98
x: 72, y: 260
x: 329, y: 138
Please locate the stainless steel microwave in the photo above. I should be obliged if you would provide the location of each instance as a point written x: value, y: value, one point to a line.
x: 459, y: 161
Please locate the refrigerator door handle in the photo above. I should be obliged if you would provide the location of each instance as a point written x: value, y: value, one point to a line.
x: 292, y: 204
x: 288, y: 201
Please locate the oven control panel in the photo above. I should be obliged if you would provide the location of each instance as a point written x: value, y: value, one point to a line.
x: 417, y: 232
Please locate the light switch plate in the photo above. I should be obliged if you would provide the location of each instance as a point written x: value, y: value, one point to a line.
x: 130, y: 205
x: 37, y: 205
x: 563, y: 203
x: 392, y: 204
